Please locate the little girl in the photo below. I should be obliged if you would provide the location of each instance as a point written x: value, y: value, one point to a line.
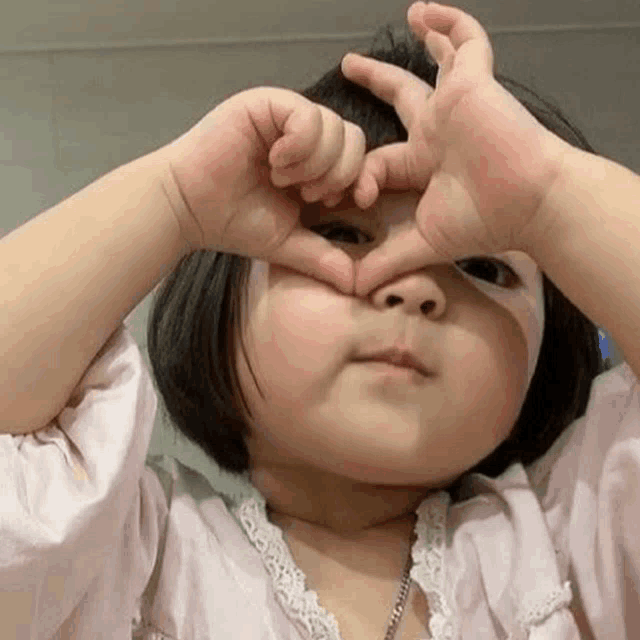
x: 431, y: 445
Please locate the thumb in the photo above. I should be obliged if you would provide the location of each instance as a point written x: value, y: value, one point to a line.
x: 384, y: 168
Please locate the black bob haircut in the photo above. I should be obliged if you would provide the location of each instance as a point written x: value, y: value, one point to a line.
x: 196, y: 310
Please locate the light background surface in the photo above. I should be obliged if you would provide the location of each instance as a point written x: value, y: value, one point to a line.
x: 88, y: 86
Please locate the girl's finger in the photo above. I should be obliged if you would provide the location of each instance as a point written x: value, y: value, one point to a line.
x: 327, y: 138
x: 314, y: 256
x: 459, y: 27
x: 442, y: 51
x: 405, y: 252
x: 332, y: 201
x: 396, y: 86
x: 344, y: 171
x: 301, y: 126
x: 388, y: 167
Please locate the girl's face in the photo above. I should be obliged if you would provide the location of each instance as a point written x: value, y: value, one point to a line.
x: 324, y: 412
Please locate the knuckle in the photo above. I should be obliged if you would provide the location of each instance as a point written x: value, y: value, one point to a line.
x: 335, y: 125
x: 326, y: 184
x: 361, y: 142
x: 339, y: 138
x: 355, y: 131
x: 289, y: 175
x: 316, y: 113
x: 372, y: 165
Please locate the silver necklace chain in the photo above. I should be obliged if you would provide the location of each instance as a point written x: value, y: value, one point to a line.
x: 398, y: 609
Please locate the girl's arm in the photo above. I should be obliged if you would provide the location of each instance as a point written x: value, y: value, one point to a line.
x: 587, y: 241
x: 70, y: 276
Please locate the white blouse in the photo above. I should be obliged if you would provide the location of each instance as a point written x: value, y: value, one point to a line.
x: 99, y: 541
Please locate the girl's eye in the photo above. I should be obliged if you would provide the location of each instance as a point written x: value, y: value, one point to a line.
x: 340, y: 228
x: 490, y: 269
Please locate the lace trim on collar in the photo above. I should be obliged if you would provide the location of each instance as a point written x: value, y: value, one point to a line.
x: 288, y: 579
x: 428, y: 563
x: 302, y: 604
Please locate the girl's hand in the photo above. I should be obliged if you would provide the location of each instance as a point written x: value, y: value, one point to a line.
x: 248, y: 166
x: 482, y: 160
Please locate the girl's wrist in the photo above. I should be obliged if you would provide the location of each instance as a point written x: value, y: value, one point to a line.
x: 547, y: 218
x: 174, y: 204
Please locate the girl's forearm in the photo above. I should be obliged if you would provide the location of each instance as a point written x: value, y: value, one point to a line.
x: 70, y: 276
x: 588, y: 243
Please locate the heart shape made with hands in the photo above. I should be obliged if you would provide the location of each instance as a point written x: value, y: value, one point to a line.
x: 481, y: 161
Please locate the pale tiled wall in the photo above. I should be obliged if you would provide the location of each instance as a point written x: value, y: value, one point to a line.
x: 68, y: 117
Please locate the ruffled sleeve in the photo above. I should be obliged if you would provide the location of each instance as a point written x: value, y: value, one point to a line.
x: 80, y: 515
x: 604, y: 530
